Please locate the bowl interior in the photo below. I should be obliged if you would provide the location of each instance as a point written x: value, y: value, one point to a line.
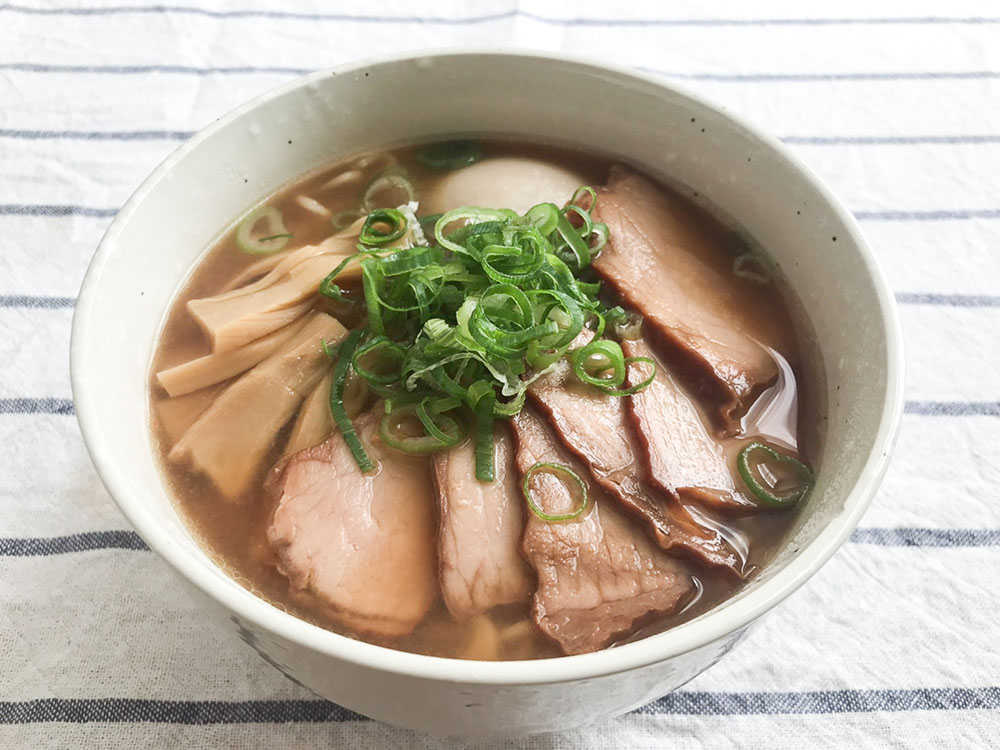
x: 239, y: 160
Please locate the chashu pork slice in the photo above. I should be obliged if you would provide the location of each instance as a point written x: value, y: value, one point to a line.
x: 594, y: 426
x: 599, y: 577
x: 362, y: 544
x: 682, y: 458
x: 708, y: 324
x: 480, y: 527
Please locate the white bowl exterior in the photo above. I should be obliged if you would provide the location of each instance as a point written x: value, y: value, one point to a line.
x: 239, y: 160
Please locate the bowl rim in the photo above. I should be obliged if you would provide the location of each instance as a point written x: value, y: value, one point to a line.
x: 702, y: 631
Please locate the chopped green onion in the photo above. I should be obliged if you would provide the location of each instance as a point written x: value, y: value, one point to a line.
x: 371, y: 296
x: 337, y: 409
x: 764, y: 476
x: 544, y: 217
x: 379, y: 349
x: 600, y: 356
x: 329, y: 351
x: 426, y: 416
x: 406, y: 261
x: 393, y: 429
x: 612, y: 391
x: 328, y: 288
x: 483, y: 407
x: 555, y: 470
x: 262, y: 232
x: 394, y: 188
x: 598, y: 238
x: 450, y: 154
x: 569, y: 234
x: 591, y: 195
x: 471, y: 321
x: 629, y: 328
x: 383, y: 225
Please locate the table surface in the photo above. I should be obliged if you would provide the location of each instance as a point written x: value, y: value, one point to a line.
x: 896, y: 106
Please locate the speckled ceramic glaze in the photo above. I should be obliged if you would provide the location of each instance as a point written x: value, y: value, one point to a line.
x: 180, y: 209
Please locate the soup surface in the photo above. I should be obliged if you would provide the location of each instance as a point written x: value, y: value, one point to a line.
x: 617, y: 507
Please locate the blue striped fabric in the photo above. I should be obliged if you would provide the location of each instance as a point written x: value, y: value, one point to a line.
x: 895, y: 105
x: 396, y: 20
x: 680, y: 703
x: 128, y: 540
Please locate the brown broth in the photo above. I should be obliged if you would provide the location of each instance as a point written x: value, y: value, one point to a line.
x: 233, y: 531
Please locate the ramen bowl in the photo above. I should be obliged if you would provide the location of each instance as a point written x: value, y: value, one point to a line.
x: 177, y: 213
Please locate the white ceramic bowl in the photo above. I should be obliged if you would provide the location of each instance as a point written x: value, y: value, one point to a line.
x: 179, y: 210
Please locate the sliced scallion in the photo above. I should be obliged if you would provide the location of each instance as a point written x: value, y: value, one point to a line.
x: 641, y: 386
x: 560, y: 471
x: 629, y: 327
x: 340, y: 417
x: 603, y: 357
x: 776, y: 479
x: 387, y: 190
x: 448, y: 155
x: 483, y: 407
x: 398, y: 430
x: 262, y: 232
x: 379, y: 360
x: 383, y: 225
x: 328, y: 287
x: 472, y: 320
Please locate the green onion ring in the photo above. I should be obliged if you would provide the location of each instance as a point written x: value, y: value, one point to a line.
x: 569, y: 306
x: 551, y: 468
x: 590, y: 193
x: 472, y: 320
x: 764, y: 494
x: 421, y: 443
x: 631, y: 390
x: 629, y: 328
x: 426, y: 419
x: 406, y: 261
x: 273, y: 237
x: 572, y: 238
x: 372, y: 235
x: 328, y: 288
x: 588, y: 223
x: 386, y: 181
x: 598, y: 238
x: 448, y: 155
x: 609, y: 350
x: 543, y: 217
x: 382, y: 345
x: 337, y: 409
x: 478, y: 216
x: 371, y: 296
x: 483, y: 409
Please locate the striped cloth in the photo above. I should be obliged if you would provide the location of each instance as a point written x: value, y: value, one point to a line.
x: 892, y: 644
